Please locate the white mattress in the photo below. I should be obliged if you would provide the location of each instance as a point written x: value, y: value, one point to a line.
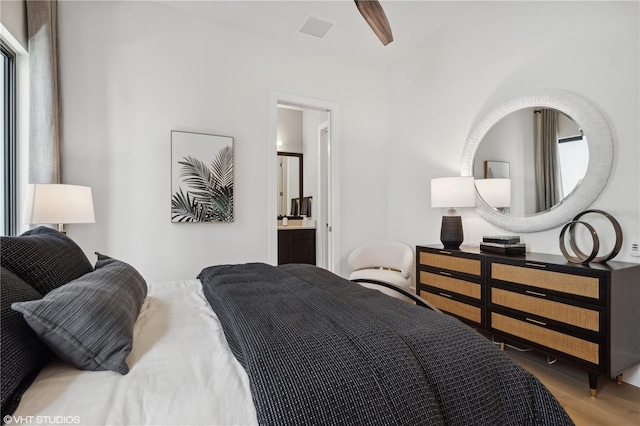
x: 182, y: 373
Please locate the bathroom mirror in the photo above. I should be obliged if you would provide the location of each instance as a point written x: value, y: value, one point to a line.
x: 501, y: 135
x: 290, y: 183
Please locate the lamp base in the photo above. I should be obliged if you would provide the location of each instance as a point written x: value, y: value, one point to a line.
x: 451, y: 233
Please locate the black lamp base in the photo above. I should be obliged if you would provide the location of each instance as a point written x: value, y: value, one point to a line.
x: 451, y: 233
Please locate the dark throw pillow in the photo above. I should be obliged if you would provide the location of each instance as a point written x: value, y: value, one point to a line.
x: 23, y: 353
x: 89, y: 321
x: 44, y: 258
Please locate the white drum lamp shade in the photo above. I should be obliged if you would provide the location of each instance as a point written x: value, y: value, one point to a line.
x: 452, y: 192
x: 58, y: 204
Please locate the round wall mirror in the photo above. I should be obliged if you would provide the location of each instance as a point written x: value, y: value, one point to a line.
x: 553, y: 150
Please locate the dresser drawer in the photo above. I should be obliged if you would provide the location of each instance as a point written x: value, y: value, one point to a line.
x: 537, y: 333
x: 451, y: 263
x: 573, y: 284
x: 451, y: 284
x: 577, y: 316
x: 463, y: 310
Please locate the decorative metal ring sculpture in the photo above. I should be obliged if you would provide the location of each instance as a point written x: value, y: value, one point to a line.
x: 579, y: 257
x: 616, y: 227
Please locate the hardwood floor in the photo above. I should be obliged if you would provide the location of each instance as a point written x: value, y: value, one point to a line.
x: 616, y: 404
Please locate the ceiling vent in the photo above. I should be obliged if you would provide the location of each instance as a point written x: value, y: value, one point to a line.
x: 316, y: 26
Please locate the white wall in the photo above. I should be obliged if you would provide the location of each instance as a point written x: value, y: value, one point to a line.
x: 498, y: 51
x: 133, y: 71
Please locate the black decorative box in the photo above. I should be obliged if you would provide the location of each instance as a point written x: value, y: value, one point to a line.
x: 502, y: 239
x: 506, y: 249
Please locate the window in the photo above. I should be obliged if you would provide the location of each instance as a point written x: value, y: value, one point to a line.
x: 573, y: 153
x: 8, y: 155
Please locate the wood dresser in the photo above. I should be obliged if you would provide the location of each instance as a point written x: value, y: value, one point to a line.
x: 587, y: 314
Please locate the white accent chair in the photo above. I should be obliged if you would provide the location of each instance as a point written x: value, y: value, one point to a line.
x: 387, y: 261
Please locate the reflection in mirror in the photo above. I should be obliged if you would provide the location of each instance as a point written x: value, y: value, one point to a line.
x: 545, y: 152
x: 496, y: 192
x: 573, y: 152
x: 290, y: 184
x: 496, y: 170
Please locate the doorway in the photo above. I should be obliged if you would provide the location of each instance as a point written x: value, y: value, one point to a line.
x: 324, y: 179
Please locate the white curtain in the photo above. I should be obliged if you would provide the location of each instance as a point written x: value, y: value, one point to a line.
x: 548, y: 177
x: 44, y: 105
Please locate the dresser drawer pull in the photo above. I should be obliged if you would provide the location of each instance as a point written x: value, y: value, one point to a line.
x: 446, y: 295
x: 537, y: 265
x: 535, y: 293
x: 536, y: 322
x: 445, y: 273
x: 444, y: 252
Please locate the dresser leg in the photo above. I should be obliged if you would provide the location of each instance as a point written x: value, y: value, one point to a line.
x: 502, y: 346
x: 619, y: 379
x: 593, y: 384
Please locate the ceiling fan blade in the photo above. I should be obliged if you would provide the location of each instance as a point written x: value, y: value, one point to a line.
x: 376, y: 18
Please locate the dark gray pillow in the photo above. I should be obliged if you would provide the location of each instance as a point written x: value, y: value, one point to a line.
x: 89, y: 321
x: 23, y: 354
x: 44, y: 258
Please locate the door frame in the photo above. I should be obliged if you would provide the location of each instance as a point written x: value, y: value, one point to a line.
x: 324, y: 174
x: 275, y: 98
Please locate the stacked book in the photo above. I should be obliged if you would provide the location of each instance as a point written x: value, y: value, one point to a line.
x: 503, y: 244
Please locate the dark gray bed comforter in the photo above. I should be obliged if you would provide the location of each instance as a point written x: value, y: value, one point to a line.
x: 321, y: 350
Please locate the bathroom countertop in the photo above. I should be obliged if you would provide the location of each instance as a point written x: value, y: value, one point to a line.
x: 297, y: 224
x: 292, y: 227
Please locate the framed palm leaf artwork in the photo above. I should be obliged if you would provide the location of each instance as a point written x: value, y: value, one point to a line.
x: 201, y: 177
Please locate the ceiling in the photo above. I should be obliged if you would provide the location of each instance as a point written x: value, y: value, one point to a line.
x: 412, y: 22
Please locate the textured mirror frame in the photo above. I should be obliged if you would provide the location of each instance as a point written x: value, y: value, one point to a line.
x: 599, y: 141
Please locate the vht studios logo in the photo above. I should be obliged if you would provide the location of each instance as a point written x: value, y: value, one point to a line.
x: 42, y: 420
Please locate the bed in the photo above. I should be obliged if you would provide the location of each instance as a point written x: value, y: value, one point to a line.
x: 251, y: 344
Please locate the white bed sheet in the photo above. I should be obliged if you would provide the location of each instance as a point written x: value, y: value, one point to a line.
x: 182, y: 373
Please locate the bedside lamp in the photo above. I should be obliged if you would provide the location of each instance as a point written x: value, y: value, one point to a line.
x: 58, y: 204
x: 495, y: 192
x: 452, y: 192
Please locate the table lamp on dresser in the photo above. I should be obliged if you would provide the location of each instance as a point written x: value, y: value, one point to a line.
x: 452, y: 192
x: 58, y: 204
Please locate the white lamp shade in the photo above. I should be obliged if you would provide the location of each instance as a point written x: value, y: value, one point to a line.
x: 495, y: 192
x: 58, y: 203
x: 450, y: 192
